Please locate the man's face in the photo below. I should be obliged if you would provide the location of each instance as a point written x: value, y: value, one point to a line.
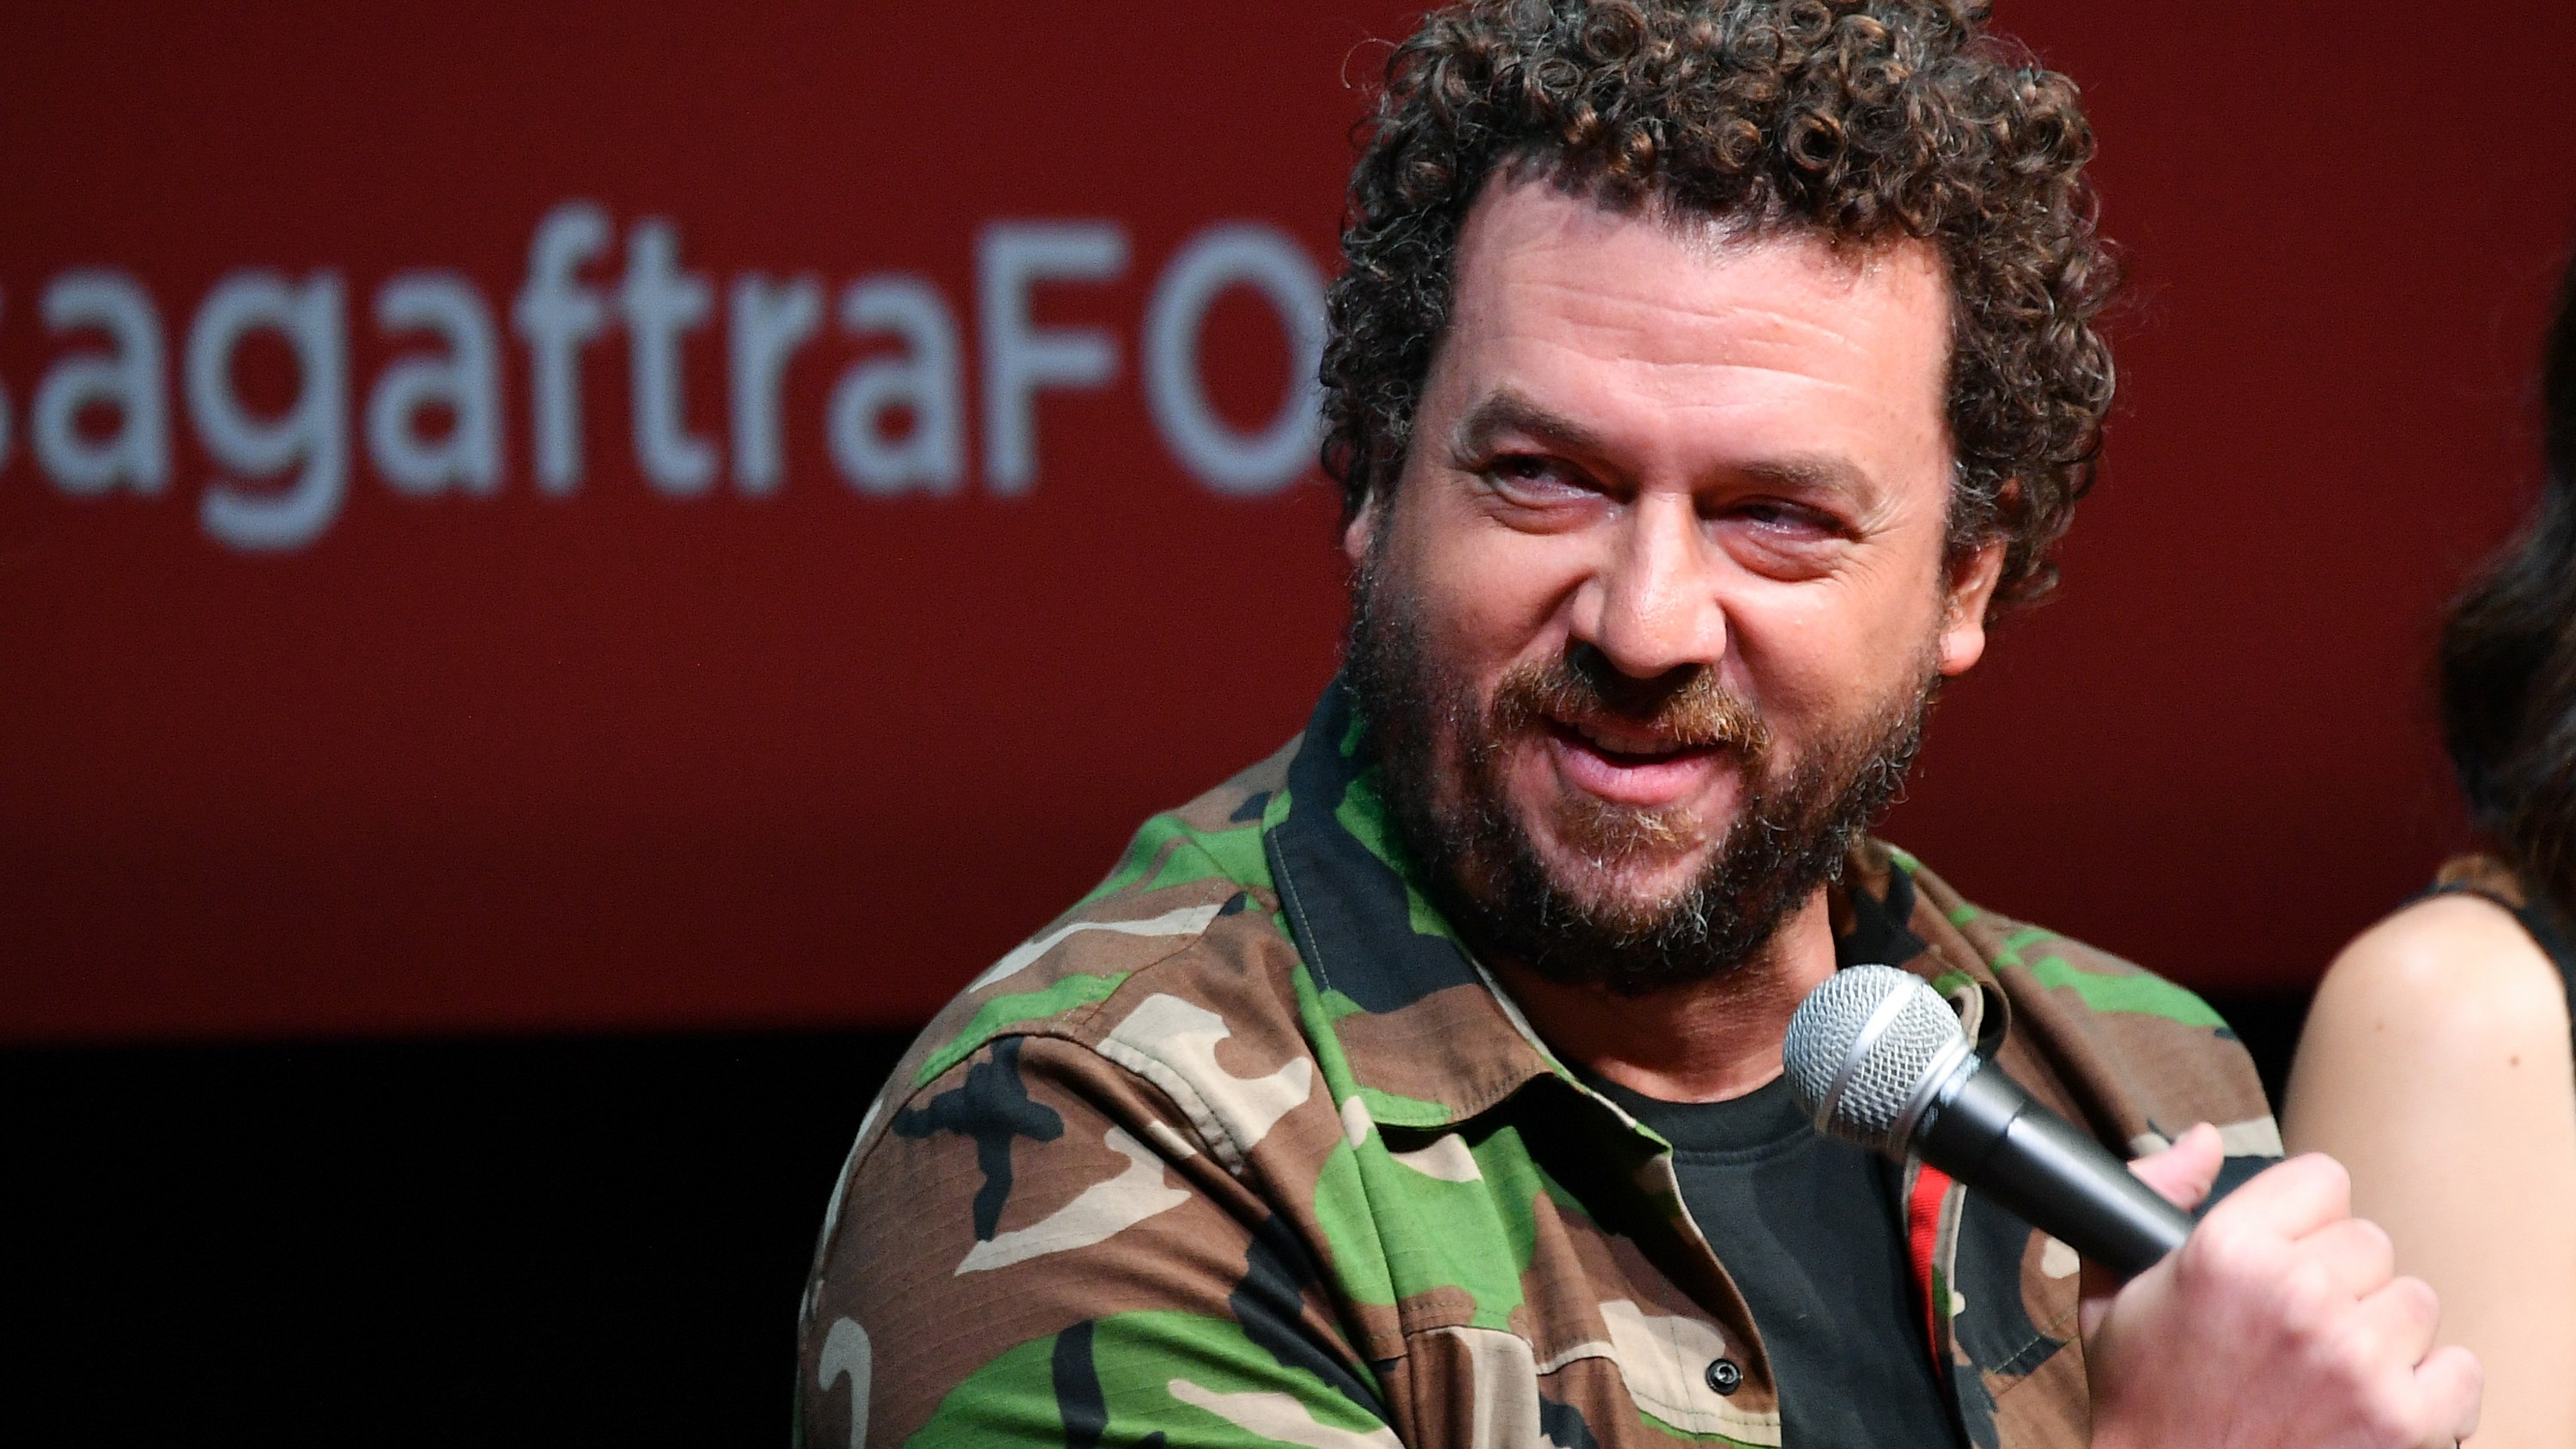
x: 1649, y: 622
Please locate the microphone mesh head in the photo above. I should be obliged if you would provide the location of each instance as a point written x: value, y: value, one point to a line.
x: 1879, y: 1033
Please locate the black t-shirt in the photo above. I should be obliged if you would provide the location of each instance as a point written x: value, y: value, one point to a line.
x: 1809, y: 1229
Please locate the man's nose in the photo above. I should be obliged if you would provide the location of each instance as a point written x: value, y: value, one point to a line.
x: 1653, y: 607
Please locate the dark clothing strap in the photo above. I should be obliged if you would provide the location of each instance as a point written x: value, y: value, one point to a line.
x: 2546, y: 928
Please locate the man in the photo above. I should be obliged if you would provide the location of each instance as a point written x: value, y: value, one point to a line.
x: 1701, y: 377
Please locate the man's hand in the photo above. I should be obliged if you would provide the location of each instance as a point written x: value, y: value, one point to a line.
x: 2280, y: 1322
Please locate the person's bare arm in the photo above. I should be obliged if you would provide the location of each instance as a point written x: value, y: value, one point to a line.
x: 2436, y: 1066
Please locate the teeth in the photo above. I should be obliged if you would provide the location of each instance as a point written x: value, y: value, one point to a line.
x: 1626, y: 744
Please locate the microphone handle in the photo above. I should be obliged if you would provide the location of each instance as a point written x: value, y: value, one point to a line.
x: 1991, y: 1136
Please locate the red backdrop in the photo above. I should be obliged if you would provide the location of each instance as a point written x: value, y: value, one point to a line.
x: 617, y: 758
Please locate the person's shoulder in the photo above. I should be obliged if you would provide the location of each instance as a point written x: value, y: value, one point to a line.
x: 2436, y: 1046
x: 2449, y: 976
x: 2035, y: 961
x: 1217, y: 837
x: 2136, y: 1048
x: 1189, y: 916
x: 1110, y: 1093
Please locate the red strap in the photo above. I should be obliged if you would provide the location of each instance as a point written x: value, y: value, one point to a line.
x: 1922, y: 1227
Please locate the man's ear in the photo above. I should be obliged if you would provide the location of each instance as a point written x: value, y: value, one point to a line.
x: 1362, y: 527
x: 1972, y: 587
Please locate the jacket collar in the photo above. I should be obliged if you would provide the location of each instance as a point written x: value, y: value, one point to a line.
x: 1427, y: 1033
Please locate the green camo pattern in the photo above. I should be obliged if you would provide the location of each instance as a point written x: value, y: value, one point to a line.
x: 1245, y: 1151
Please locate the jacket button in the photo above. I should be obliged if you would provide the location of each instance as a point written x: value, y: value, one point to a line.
x: 1724, y: 1376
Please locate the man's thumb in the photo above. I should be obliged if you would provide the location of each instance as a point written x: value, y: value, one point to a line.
x: 2182, y: 1175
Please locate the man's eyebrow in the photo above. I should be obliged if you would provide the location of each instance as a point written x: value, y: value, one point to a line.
x: 1808, y: 472
x: 1506, y: 411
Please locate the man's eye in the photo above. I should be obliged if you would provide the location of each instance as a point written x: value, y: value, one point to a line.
x: 1772, y: 514
x: 1782, y: 539
x: 1528, y: 474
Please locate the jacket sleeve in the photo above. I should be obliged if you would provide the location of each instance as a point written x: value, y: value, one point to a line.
x: 1033, y: 1248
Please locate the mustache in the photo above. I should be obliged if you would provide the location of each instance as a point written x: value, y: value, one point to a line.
x: 1688, y: 706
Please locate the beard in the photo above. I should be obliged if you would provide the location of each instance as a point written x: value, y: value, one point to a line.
x: 1440, y: 752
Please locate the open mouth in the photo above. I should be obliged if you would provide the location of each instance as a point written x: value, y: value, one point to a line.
x: 1641, y: 769
x: 1628, y: 747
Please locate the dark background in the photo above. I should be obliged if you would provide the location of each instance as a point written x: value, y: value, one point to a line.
x: 545, y: 1241
x: 442, y: 966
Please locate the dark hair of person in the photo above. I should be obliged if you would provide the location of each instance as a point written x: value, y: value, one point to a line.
x: 1862, y: 121
x: 2508, y: 664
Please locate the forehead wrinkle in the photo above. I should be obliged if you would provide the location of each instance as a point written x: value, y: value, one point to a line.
x: 1683, y: 388
x: 1568, y: 221
x: 1683, y: 331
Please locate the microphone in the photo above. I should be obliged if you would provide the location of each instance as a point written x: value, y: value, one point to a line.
x: 1879, y: 1060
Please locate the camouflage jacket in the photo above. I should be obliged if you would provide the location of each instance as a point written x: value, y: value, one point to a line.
x: 1246, y: 1150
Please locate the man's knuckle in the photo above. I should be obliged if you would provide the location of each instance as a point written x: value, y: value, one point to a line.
x: 2390, y: 1418
x: 2415, y: 1299
x: 2319, y: 1168
x: 2309, y: 1298
x: 2218, y: 1255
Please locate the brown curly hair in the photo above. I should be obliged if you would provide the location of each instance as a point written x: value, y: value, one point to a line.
x: 1861, y: 120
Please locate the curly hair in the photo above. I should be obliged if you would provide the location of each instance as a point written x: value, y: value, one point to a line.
x: 1864, y: 121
